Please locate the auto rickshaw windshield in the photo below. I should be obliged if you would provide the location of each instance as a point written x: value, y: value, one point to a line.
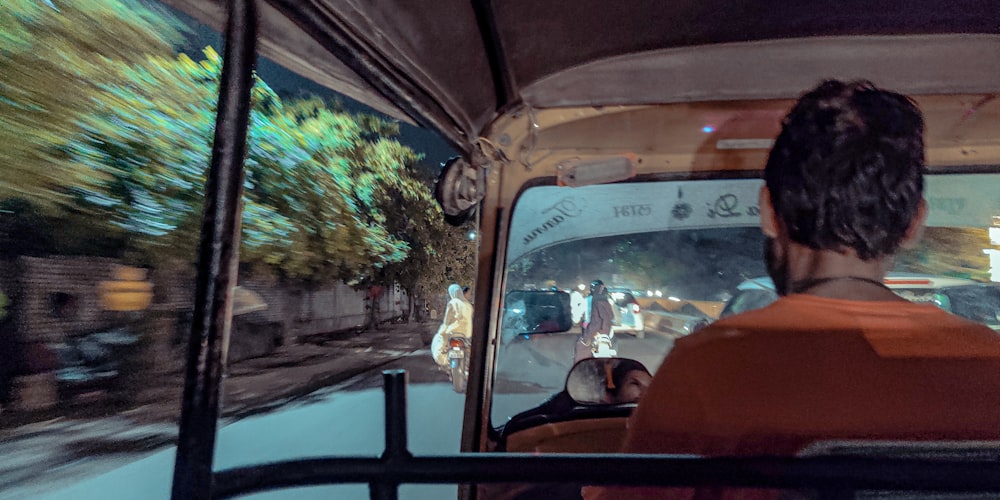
x: 682, y: 249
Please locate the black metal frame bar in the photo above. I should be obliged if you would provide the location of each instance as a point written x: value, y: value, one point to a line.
x: 218, y: 258
x: 504, y: 85
x: 397, y: 466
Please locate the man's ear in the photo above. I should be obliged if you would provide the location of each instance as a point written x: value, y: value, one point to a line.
x: 916, y: 229
x: 768, y: 219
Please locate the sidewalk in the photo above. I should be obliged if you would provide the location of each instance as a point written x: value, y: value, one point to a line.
x: 259, y: 384
x: 251, y: 386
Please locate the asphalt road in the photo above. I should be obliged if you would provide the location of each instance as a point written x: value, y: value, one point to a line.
x: 342, y: 420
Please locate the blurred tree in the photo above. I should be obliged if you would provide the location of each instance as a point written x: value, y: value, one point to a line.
x: 23, y: 230
x: 27, y: 230
x: 320, y: 181
x: 106, y: 125
x: 439, y: 254
x: 56, y: 54
x: 336, y: 193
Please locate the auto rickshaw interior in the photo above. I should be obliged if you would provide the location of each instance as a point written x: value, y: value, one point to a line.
x: 625, y: 143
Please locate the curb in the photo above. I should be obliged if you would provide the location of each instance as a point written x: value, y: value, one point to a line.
x: 314, y: 383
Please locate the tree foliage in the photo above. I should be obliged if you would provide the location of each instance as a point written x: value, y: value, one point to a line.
x: 55, y: 54
x: 317, y: 177
x: 120, y: 131
x: 440, y: 254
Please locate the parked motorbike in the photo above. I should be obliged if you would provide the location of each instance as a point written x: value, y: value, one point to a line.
x: 458, y: 361
x: 99, y: 361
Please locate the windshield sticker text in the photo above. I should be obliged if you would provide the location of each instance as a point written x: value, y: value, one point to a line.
x: 728, y: 205
x: 566, y: 207
x: 681, y: 211
x: 633, y: 210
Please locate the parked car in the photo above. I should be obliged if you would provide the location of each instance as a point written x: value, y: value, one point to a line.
x: 974, y: 300
x: 676, y: 323
x: 530, y: 312
x: 628, y: 313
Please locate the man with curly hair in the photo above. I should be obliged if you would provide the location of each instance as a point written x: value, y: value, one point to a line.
x: 838, y: 356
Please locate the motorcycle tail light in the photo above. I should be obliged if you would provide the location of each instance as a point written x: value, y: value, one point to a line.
x: 635, y: 308
x: 455, y: 343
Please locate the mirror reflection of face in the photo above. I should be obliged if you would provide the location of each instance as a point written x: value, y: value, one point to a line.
x: 600, y: 381
x: 631, y: 388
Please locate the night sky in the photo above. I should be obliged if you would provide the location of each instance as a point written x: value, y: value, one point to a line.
x: 289, y: 84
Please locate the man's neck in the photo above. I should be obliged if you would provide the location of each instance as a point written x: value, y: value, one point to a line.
x: 810, y: 272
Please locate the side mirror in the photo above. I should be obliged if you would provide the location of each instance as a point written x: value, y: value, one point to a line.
x: 537, y: 311
x: 602, y: 381
x: 458, y: 190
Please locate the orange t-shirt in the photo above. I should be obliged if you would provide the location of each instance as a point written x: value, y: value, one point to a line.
x: 807, y: 369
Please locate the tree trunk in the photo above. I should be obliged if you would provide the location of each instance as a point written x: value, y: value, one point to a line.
x: 411, y: 303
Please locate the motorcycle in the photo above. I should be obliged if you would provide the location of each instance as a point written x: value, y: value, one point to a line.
x: 458, y: 362
x: 100, y: 361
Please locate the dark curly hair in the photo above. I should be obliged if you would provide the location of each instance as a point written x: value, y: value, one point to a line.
x: 846, y: 171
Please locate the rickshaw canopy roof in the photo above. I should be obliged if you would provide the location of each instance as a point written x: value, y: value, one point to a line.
x: 456, y: 65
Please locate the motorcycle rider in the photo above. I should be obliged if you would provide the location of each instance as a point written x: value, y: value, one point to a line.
x: 457, y: 321
x: 598, y: 321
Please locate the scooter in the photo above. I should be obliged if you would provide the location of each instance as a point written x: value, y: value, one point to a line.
x: 458, y: 362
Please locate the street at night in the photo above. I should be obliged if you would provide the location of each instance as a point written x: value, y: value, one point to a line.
x: 618, y: 251
x: 345, y: 419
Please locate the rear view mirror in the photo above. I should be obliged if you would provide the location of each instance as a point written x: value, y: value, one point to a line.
x: 596, y: 381
x: 537, y: 311
x: 458, y: 190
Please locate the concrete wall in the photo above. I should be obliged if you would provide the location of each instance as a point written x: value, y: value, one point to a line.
x: 291, y: 312
x: 46, y: 281
x: 53, y: 298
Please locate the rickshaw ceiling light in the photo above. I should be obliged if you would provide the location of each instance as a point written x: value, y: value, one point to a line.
x: 576, y: 173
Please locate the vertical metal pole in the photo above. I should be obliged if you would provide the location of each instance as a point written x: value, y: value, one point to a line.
x: 217, y: 259
x: 394, y: 387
